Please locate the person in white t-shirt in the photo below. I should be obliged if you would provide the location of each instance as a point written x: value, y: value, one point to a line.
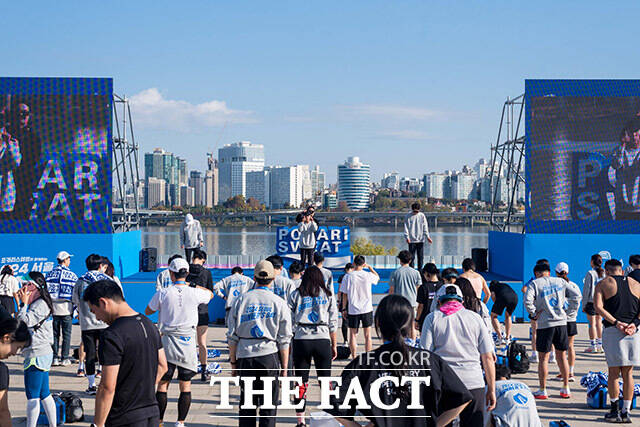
x: 177, y: 308
x: 356, y: 287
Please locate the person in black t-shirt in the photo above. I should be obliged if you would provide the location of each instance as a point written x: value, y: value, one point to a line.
x: 132, y: 359
x: 441, y: 400
x: 14, y: 336
x: 504, y: 298
x: 200, y: 276
x: 427, y: 291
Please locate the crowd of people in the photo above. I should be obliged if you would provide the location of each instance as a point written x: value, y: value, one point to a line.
x: 281, y: 322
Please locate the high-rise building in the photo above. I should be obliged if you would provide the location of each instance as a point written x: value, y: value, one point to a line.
x: 317, y: 181
x: 391, y: 181
x: 197, y: 182
x: 183, y: 179
x: 434, y: 185
x: 354, y: 179
x: 187, y: 195
x: 462, y: 186
x: 330, y: 201
x: 289, y: 186
x: 156, y: 192
x: 211, y: 188
x: 235, y: 160
x: 258, y: 186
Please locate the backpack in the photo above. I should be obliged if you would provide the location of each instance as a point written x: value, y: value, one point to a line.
x: 518, y: 359
x: 74, y: 409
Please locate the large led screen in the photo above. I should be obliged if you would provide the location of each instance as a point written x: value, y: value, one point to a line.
x: 55, y: 155
x: 583, y: 156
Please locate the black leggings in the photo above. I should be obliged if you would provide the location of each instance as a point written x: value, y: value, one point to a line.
x: 90, y: 339
x: 306, y: 257
x: 303, y: 352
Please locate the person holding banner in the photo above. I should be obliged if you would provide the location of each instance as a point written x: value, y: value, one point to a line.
x: 60, y: 283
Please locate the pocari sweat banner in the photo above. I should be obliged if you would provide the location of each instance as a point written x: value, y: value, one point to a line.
x: 332, y: 242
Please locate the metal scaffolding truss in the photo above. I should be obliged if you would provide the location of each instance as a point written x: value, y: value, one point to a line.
x: 507, y: 162
x: 125, y: 173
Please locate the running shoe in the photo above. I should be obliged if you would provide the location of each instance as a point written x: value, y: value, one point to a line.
x: 178, y: 424
x: 91, y: 391
x: 552, y: 358
x: 625, y: 418
x: 540, y: 394
x: 613, y: 416
x: 56, y: 362
x: 534, y: 357
x: 565, y: 393
x: 591, y: 350
x: 572, y: 378
x: 599, y: 349
x: 80, y: 373
x: 66, y: 362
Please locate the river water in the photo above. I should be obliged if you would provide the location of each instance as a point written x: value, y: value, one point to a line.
x: 261, y: 240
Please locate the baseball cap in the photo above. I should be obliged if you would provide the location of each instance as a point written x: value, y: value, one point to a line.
x: 264, y: 270
x: 451, y: 292
x: 62, y: 255
x: 178, y: 264
x: 562, y: 267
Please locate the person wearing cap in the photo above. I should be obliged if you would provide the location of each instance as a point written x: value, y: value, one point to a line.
x: 449, y: 277
x: 461, y: 338
x: 544, y: 300
x: 177, y: 308
x: 60, y: 283
x: 404, y: 281
x: 562, y: 271
x: 190, y: 236
x: 90, y: 326
x: 259, y: 337
x: 164, y: 278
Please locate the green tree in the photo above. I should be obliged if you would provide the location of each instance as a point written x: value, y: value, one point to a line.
x: 364, y: 246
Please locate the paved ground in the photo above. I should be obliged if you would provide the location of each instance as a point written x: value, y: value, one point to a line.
x: 574, y: 411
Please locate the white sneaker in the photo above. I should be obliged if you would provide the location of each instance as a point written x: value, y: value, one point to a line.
x: 66, y: 362
x: 56, y: 362
x: 534, y: 357
x: 178, y: 424
x: 552, y: 358
x: 599, y: 349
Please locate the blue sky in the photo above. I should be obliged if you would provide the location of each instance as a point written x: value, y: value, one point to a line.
x: 407, y: 86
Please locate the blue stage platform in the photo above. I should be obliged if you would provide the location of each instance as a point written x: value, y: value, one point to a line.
x: 140, y: 287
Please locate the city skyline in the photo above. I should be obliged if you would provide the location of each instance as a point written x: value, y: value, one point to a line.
x: 412, y: 85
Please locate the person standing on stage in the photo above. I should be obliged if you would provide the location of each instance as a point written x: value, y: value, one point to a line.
x: 544, y: 300
x: 190, y: 236
x: 416, y: 232
x: 307, y: 227
x: 177, y: 308
x: 259, y: 338
x: 60, y: 283
x: 617, y: 300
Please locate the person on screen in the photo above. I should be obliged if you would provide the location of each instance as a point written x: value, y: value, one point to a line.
x: 10, y: 159
x: 29, y: 170
x: 625, y: 160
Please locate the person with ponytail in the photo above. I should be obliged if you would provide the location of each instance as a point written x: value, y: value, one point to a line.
x: 462, y: 339
x: 14, y: 336
x: 315, y: 321
x: 591, y: 279
x: 441, y: 399
x: 37, y: 312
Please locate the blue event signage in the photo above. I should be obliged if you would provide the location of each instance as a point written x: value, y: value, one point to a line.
x: 55, y: 155
x: 332, y: 242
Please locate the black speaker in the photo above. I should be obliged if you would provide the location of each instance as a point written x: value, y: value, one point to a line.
x: 480, y: 258
x: 149, y: 259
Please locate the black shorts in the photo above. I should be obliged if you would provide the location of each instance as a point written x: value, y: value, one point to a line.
x: 203, y: 319
x: 184, y: 374
x: 590, y: 309
x: 556, y: 335
x: 572, y: 329
x: 501, y: 303
x: 366, y: 319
